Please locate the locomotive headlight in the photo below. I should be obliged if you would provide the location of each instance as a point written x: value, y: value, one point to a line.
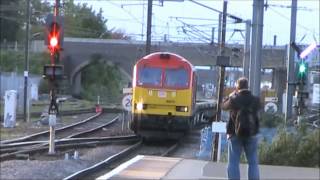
x: 185, y: 109
x: 139, y: 106
x: 182, y: 108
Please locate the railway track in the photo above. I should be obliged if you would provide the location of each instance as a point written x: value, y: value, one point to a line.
x: 72, y: 112
x: 7, y: 148
x: 156, y: 148
x: 62, y: 113
x: 74, y: 143
x: 66, y: 131
x: 94, y: 171
x: 66, y: 135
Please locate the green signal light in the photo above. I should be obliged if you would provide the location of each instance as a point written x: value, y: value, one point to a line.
x: 302, y: 68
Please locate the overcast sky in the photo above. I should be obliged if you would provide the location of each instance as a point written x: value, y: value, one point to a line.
x: 187, y: 21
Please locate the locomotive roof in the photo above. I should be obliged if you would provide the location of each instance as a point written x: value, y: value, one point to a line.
x: 165, y: 55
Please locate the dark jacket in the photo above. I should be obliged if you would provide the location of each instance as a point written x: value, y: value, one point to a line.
x: 235, y: 101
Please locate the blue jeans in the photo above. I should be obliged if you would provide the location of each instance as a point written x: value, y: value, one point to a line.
x: 235, y: 146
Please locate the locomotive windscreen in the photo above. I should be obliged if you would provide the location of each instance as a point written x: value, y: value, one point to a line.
x: 176, y: 78
x: 149, y: 76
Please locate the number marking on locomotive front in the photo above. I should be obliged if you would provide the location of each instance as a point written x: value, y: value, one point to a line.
x: 162, y: 94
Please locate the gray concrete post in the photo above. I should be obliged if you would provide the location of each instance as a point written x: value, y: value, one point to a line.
x: 253, y: 47
x: 257, y: 36
x: 290, y: 69
x: 246, y: 54
x: 219, y: 28
x: 212, y: 35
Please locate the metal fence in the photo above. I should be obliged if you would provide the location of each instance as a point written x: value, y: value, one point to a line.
x: 35, y: 46
x: 11, y: 46
x: 14, y: 81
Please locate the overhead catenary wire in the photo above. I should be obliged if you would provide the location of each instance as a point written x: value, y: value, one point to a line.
x: 287, y: 18
x: 126, y: 11
x: 173, y: 26
x: 267, y: 5
x: 196, y: 18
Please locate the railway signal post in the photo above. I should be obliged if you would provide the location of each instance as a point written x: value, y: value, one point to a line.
x: 53, y: 71
x: 222, y: 61
x: 301, y: 91
x: 302, y: 77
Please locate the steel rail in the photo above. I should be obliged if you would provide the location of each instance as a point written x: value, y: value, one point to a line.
x: 63, y: 113
x: 79, y: 142
x: 106, y: 162
x: 89, y: 172
x: 67, y: 140
x: 172, y: 148
x: 47, y: 132
x: 5, y: 148
x: 94, y: 129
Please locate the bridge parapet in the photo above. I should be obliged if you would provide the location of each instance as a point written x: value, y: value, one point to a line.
x: 124, y: 53
x: 78, y: 50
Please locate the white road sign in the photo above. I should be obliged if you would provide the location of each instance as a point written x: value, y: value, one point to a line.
x: 127, y: 91
x: 316, y: 94
x: 271, y: 99
x: 270, y: 107
x: 126, y: 102
x: 219, y: 127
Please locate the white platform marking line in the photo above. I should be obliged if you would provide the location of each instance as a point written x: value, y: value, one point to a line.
x: 120, y: 168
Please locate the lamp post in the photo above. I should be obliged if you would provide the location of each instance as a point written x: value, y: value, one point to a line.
x: 26, y: 63
x: 149, y: 23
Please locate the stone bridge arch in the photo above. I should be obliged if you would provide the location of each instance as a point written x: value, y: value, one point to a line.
x: 75, y: 75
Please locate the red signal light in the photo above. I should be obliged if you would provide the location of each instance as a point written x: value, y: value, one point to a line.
x: 54, y: 33
x: 54, y: 38
x: 53, y: 42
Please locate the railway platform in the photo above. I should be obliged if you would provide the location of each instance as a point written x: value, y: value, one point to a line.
x: 154, y: 167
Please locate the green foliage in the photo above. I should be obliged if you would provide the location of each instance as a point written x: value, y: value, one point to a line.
x: 269, y: 120
x: 101, y: 79
x: 10, y: 19
x: 83, y: 21
x: 14, y: 61
x: 298, y: 148
x: 13, y: 18
x: 79, y: 20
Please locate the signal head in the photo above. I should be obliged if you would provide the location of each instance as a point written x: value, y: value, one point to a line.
x: 53, y: 42
x: 302, y: 68
x: 54, y: 33
x: 302, y: 71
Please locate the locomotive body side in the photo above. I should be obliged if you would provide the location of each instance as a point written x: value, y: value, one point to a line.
x: 163, y: 94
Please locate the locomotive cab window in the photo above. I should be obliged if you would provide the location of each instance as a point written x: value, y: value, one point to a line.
x: 149, y: 76
x: 176, y: 78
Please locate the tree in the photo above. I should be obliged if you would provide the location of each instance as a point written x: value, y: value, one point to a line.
x: 14, y: 61
x: 13, y: 18
x: 10, y: 19
x: 83, y: 21
x: 101, y: 79
x: 80, y: 20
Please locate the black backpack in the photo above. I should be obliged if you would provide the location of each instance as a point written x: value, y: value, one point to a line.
x: 246, y: 122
